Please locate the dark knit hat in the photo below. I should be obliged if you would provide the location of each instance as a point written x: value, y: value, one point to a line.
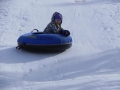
x: 58, y: 16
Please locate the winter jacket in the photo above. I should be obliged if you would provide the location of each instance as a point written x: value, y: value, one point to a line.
x: 52, y: 27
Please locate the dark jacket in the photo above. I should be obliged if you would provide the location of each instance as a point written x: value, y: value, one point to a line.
x: 52, y: 27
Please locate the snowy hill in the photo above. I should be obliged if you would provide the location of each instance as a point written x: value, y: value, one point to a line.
x: 93, y: 61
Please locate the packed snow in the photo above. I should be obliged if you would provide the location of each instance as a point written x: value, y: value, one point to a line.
x: 93, y: 61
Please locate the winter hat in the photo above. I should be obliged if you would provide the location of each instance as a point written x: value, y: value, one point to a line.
x: 58, y: 16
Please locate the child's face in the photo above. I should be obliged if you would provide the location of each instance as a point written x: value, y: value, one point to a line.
x: 57, y: 21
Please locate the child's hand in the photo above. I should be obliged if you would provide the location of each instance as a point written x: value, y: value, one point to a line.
x: 65, y: 32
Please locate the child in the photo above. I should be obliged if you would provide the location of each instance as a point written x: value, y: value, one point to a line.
x: 55, y: 25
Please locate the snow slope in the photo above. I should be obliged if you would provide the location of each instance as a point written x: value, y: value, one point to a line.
x: 93, y: 61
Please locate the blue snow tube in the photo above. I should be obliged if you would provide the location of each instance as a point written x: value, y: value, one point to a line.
x: 41, y: 41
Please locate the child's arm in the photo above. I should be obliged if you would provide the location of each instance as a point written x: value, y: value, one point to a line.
x: 51, y: 28
x: 48, y: 28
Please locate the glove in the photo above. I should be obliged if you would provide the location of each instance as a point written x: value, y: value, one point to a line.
x: 65, y: 32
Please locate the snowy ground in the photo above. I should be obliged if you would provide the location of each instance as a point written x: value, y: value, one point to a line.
x: 93, y: 61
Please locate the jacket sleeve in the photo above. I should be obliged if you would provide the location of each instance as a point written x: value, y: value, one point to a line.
x: 51, y: 28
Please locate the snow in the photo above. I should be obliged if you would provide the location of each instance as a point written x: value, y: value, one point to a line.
x: 93, y: 61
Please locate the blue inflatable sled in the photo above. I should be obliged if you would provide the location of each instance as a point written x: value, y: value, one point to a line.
x: 41, y: 41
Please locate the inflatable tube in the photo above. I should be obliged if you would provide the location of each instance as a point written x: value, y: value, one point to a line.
x: 42, y: 41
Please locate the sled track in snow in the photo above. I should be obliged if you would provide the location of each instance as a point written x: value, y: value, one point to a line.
x: 15, y: 26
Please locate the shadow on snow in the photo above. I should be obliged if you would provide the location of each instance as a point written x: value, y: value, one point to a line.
x: 12, y: 55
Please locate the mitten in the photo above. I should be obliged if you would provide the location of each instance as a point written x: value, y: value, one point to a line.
x: 65, y: 32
